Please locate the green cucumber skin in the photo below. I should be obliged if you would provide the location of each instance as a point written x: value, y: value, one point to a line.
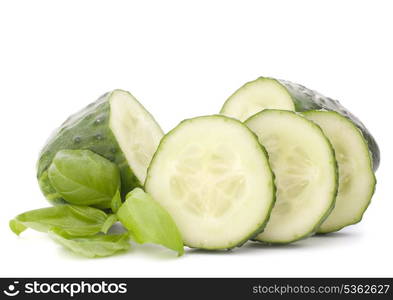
x: 87, y: 129
x: 48, y: 190
x: 306, y: 99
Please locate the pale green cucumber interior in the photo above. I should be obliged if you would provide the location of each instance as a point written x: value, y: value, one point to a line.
x: 305, y: 169
x: 255, y: 96
x: 356, y: 178
x: 135, y: 130
x: 213, y: 177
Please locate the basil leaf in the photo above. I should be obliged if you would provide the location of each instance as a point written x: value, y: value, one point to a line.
x: 73, y: 220
x: 48, y: 190
x: 83, y: 177
x: 112, y: 219
x: 149, y: 222
x: 93, y: 246
x: 17, y: 227
x: 116, y: 202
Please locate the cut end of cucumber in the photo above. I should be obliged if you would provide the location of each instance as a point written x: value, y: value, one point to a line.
x: 137, y: 134
x: 213, y: 177
x: 303, y: 161
x: 356, y: 177
x: 254, y: 96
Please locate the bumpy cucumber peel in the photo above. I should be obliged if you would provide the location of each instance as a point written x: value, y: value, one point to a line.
x: 87, y: 129
x: 304, y: 99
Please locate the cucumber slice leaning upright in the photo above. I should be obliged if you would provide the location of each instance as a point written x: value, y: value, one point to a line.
x: 265, y: 93
x: 212, y: 175
x: 115, y: 126
x: 356, y: 177
x: 303, y: 162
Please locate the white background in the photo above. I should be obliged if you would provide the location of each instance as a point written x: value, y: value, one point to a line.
x: 183, y: 59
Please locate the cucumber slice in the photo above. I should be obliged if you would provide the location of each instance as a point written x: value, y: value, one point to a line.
x: 303, y: 162
x: 265, y: 93
x: 212, y: 175
x: 255, y: 96
x: 115, y: 126
x: 357, y: 180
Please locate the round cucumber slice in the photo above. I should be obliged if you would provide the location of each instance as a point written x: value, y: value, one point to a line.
x: 115, y: 126
x: 303, y: 162
x: 270, y: 93
x: 212, y: 175
x: 254, y: 96
x: 356, y: 177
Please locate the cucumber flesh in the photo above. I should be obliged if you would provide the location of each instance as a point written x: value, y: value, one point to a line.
x: 305, y: 169
x: 356, y: 177
x: 212, y: 175
x: 135, y: 131
x: 251, y: 98
x: 115, y: 126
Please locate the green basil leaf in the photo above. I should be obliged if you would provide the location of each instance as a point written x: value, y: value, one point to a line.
x: 48, y: 190
x: 149, y: 222
x: 83, y: 177
x: 93, y: 246
x: 116, y: 202
x: 112, y: 219
x: 72, y: 219
x: 17, y: 227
